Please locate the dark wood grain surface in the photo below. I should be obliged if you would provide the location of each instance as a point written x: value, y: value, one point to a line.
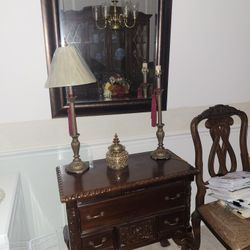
x: 141, y: 170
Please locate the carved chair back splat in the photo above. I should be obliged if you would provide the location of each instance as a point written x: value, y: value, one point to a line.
x: 221, y: 160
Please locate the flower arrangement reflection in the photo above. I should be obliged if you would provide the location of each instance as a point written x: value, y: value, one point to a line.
x: 116, y: 86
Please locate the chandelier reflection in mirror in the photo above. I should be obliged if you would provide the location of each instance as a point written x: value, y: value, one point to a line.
x: 115, y: 17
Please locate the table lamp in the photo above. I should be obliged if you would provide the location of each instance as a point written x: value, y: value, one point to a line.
x: 69, y: 69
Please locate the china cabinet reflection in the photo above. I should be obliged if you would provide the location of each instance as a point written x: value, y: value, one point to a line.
x: 108, y: 51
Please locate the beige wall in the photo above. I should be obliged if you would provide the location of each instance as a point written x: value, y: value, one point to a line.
x: 209, y: 64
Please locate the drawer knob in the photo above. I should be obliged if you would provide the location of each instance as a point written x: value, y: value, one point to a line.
x: 89, y: 217
x: 174, y: 223
x: 177, y: 196
x: 92, y: 244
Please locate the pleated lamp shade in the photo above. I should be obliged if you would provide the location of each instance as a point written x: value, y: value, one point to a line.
x: 68, y: 68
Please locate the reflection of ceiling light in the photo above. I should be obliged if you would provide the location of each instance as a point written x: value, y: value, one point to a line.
x: 114, y: 17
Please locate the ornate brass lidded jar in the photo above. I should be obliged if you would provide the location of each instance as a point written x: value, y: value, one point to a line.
x: 117, y: 156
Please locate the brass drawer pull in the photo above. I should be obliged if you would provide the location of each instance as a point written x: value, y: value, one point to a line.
x: 167, y: 198
x: 166, y: 222
x: 89, y: 217
x: 92, y: 244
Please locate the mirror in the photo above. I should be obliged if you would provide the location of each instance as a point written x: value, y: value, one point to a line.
x: 115, y: 56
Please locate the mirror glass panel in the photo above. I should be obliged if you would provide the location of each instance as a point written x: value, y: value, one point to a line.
x: 115, y: 50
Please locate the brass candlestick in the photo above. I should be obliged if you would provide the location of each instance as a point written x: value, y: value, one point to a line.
x: 160, y: 153
x: 145, y: 83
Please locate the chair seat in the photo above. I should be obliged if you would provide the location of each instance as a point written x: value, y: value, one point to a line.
x: 232, y: 230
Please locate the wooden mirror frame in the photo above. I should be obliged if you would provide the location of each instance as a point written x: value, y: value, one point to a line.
x: 50, y: 15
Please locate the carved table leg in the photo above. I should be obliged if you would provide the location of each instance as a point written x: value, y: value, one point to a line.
x: 184, y: 239
x: 165, y: 243
x: 66, y: 235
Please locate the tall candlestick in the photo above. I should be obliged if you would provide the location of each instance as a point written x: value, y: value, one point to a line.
x: 126, y: 10
x: 96, y: 13
x: 134, y: 11
x: 160, y: 153
x: 105, y: 9
x: 144, y: 72
x: 145, y: 84
x: 158, y: 74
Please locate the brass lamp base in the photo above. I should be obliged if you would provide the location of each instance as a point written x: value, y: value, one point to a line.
x: 160, y: 154
x: 77, y: 167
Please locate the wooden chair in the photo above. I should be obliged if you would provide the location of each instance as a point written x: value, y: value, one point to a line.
x: 232, y: 231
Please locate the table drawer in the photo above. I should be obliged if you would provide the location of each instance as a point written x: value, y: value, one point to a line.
x: 141, y: 203
x: 171, y: 221
x: 137, y: 234
x: 103, y: 240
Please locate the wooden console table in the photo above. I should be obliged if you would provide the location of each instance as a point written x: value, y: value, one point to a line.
x: 146, y: 203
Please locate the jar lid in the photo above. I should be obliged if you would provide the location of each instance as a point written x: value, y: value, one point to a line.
x: 116, y: 147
